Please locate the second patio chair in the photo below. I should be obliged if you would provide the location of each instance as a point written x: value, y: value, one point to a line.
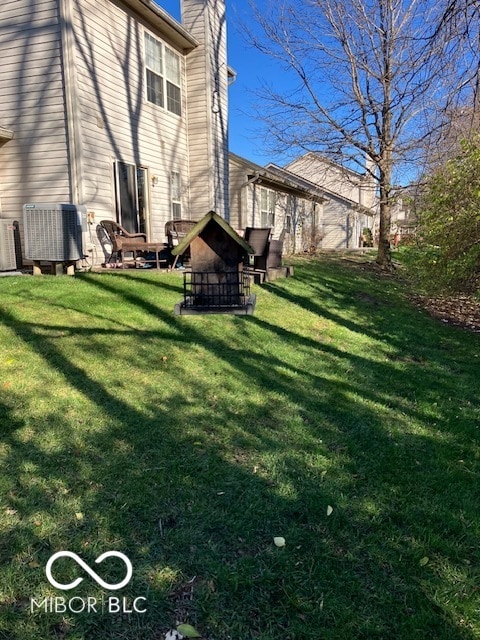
x: 123, y: 241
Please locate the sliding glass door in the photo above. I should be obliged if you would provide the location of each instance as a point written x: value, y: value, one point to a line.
x: 131, y: 197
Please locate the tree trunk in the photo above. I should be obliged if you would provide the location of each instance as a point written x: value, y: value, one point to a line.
x: 384, y: 254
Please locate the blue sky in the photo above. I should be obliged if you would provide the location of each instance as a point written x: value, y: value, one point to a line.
x: 252, y: 69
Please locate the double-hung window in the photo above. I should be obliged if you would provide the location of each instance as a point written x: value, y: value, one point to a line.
x: 154, y: 70
x: 176, y: 195
x: 172, y: 74
x: 163, y: 76
x: 267, y: 207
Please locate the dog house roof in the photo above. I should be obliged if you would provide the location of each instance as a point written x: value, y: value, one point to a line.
x: 200, y: 226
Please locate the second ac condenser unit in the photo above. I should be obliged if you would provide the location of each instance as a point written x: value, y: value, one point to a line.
x: 8, y: 257
x: 53, y: 232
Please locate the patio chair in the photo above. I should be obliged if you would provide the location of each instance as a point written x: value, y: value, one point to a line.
x: 122, y: 241
x: 258, y: 238
x: 275, y: 251
x: 176, y: 230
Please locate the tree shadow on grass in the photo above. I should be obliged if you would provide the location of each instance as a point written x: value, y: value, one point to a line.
x: 373, y: 315
x: 192, y: 477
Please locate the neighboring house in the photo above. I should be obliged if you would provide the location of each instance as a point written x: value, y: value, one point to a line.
x: 356, y: 187
x: 404, y: 221
x: 339, y: 221
x: 271, y: 197
x: 353, y: 202
x: 350, y: 200
x: 311, y: 215
x: 114, y: 105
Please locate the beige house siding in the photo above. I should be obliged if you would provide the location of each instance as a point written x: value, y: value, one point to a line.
x: 342, y: 224
x: 34, y: 164
x: 350, y: 204
x: 335, y: 226
x: 238, y: 197
x: 296, y: 211
x: 117, y: 121
x: 207, y: 100
x: 73, y: 91
x: 316, y: 218
x: 296, y: 218
x: 349, y: 184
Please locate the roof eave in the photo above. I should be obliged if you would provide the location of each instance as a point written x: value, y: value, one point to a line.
x: 283, y: 186
x: 5, y: 134
x: 163, y: 21
x: 302, y: 185
x: 259, y: 174
x: 200, y: 226
x: 231, y: 75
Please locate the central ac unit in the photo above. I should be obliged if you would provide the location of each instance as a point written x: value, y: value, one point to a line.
x: 8, y: 257
x: 53, y: 232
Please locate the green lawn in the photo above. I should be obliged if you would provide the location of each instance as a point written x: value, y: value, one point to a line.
x: 338, y: 417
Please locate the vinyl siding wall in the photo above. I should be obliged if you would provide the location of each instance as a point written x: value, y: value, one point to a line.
x: 207, y: 107
x: 34, y: 165
x: 342, y: 226
x: 334, y: 225
x: 245, y: 209
x: 117, y: 122
x: 348, y: 184
x: 238, y: 196
x: 303, y: 224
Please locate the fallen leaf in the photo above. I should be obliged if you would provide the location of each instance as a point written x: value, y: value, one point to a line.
x: 329, y: 510
x: 279, y: 541
x: 79, y: 515
x: 462, y: 311
x: 211, y: 586
x: 188, y: 631
x: 11, y: 512
x: 423, y: 561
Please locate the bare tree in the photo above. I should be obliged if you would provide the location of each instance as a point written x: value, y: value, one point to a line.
x: 460, y: 18
x: 370, y: 75
x: 458, y: 126
x: 459, y: 23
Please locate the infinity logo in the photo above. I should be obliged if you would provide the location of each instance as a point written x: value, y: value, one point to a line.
x: 84, y: 565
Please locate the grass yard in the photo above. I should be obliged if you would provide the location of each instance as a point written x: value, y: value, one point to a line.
x: 338, y: 417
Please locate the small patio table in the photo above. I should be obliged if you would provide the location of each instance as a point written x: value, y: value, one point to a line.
x: 151, y: 247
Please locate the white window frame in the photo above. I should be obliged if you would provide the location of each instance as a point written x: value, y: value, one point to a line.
x: 268, y: 199
x: 163, y: 67
x: 176, y: 195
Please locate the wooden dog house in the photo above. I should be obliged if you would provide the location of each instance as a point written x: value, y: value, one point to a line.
x: 218, y: 281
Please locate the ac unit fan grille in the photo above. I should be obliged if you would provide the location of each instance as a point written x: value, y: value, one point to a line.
x: 8, y: 258
x: 53, y: 234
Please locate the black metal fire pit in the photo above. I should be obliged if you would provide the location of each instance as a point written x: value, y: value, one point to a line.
x: 218, y: 281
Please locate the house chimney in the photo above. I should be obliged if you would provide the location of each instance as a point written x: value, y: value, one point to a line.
x: 207, y: 106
